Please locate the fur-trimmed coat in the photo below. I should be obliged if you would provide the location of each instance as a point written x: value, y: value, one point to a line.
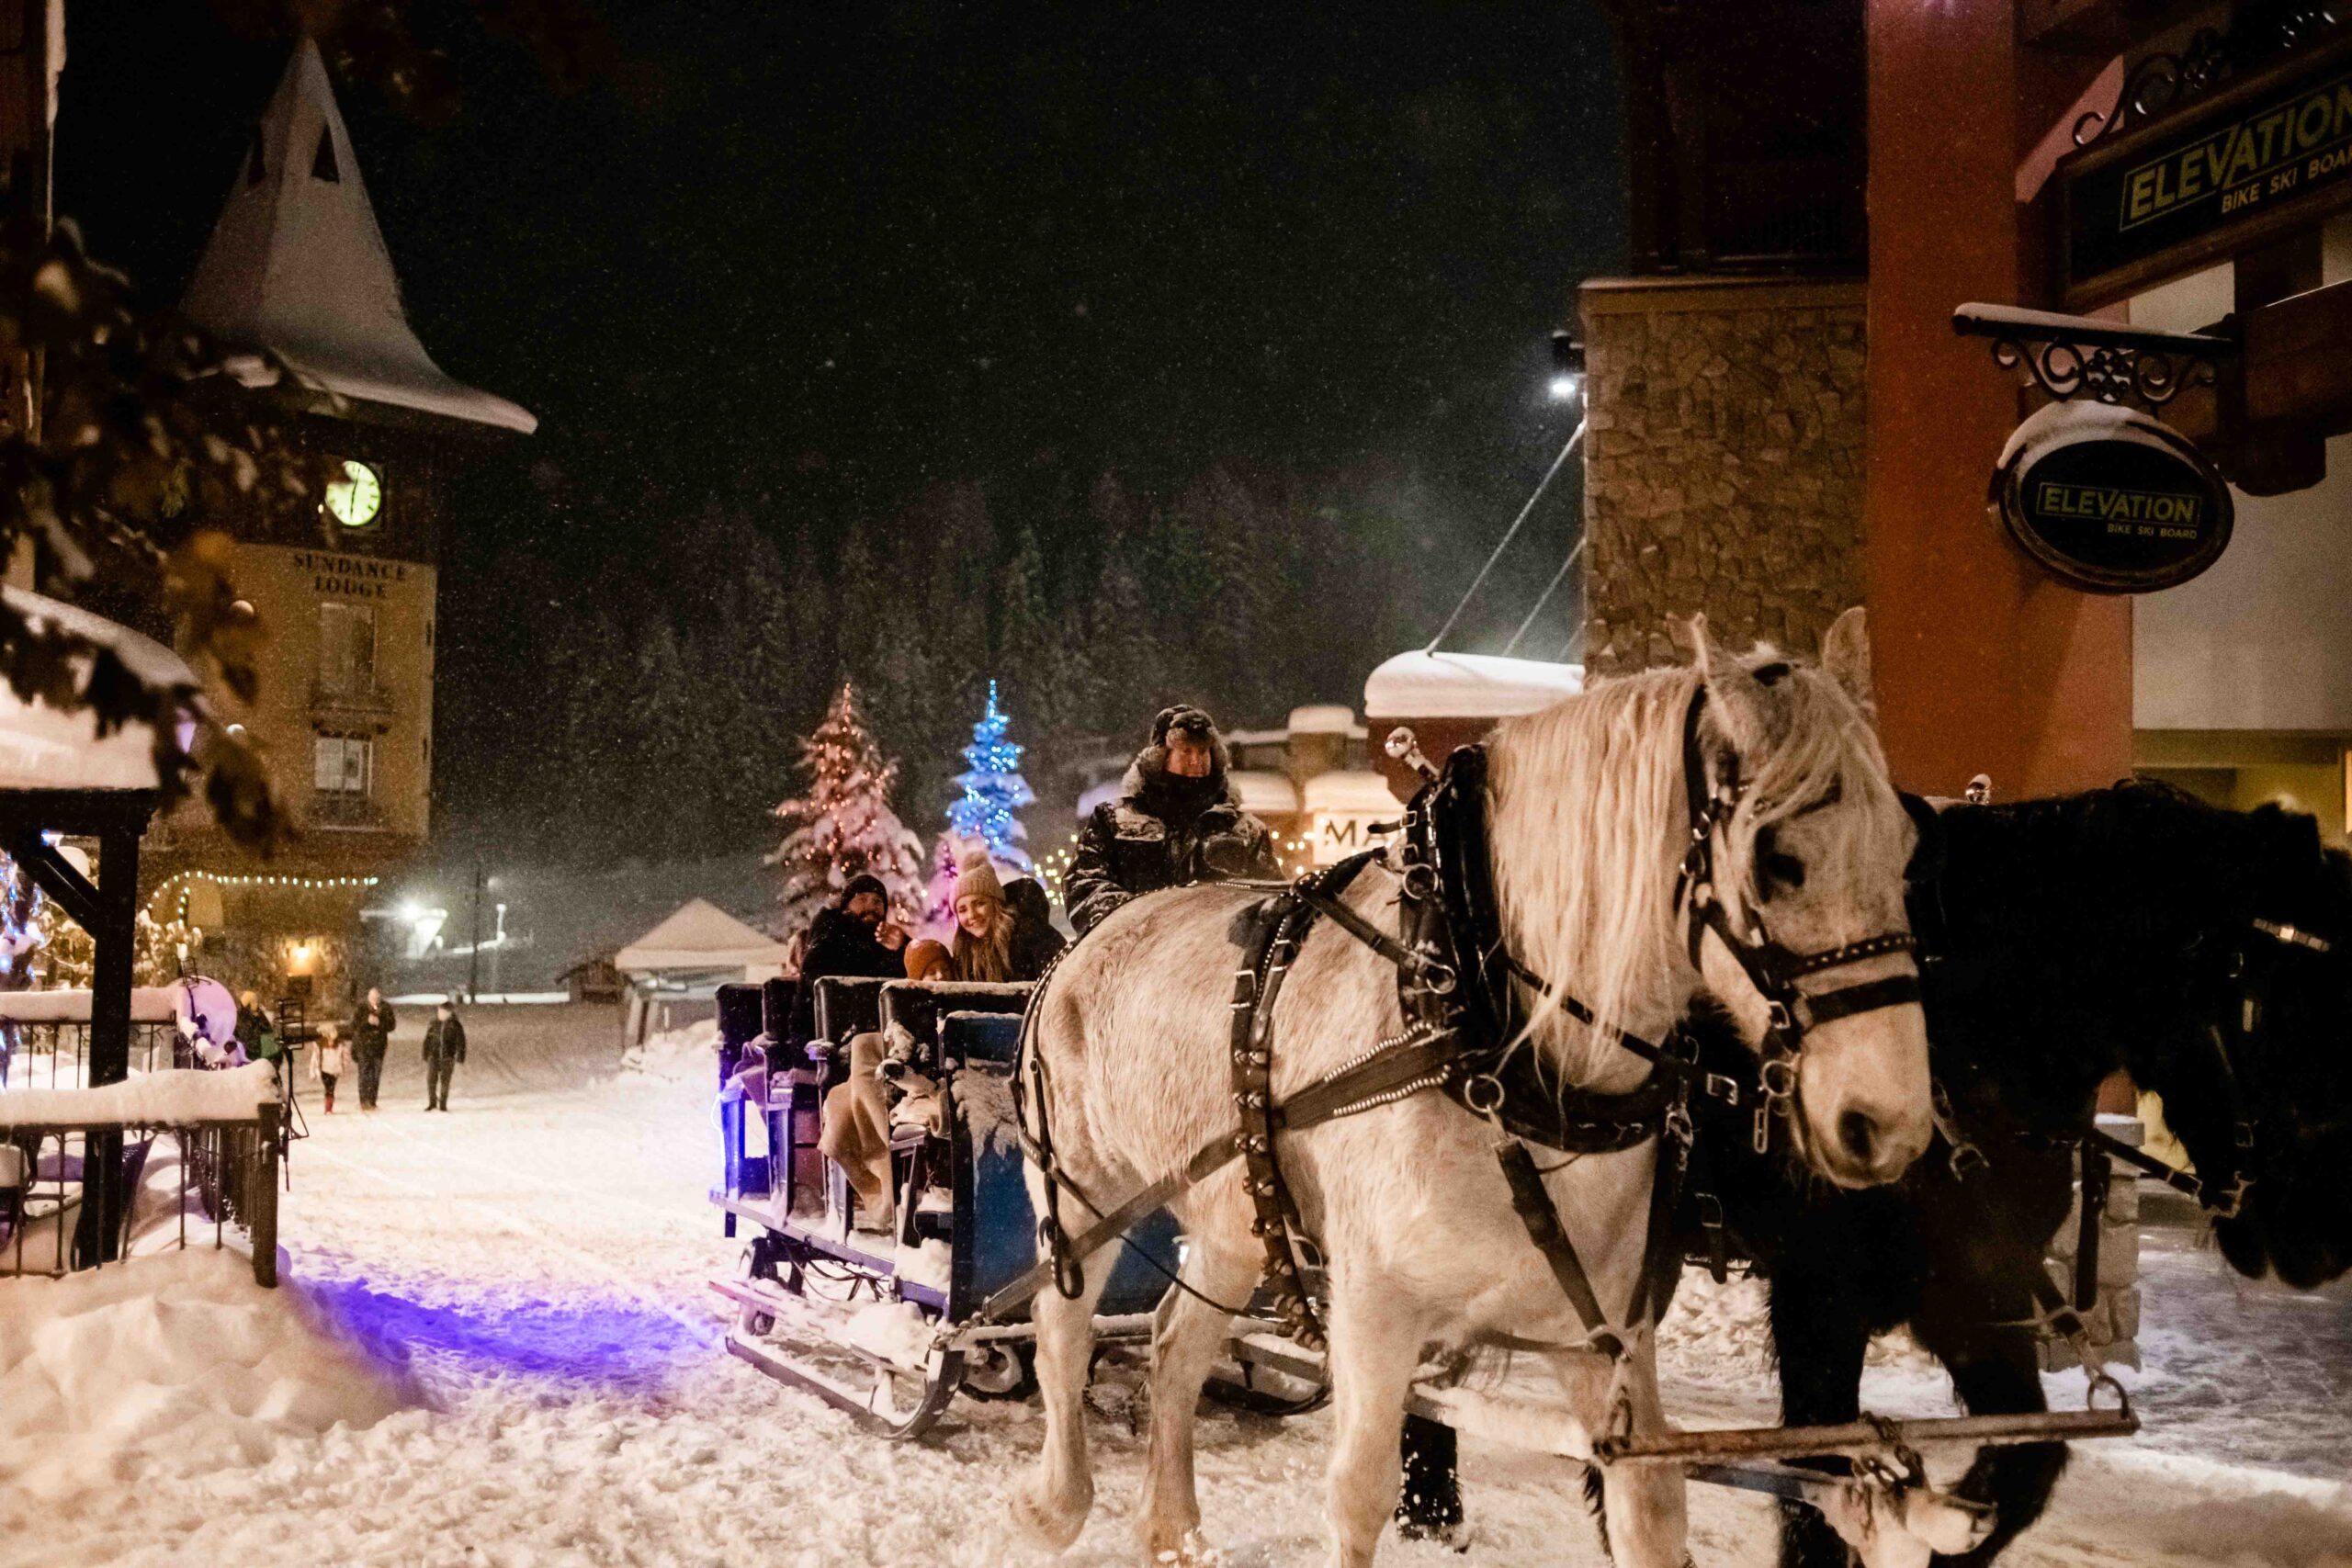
x: 1145, y: 840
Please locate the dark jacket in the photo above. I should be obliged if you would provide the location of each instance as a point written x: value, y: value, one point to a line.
x: 1034, y: 939
x: 839, y: 944
x: 255, y: 1033
x: 1163, y: 832
x: 371, y: 1031
x: 445, y: 1036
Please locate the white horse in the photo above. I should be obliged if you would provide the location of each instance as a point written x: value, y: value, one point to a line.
x: 1587, y: 826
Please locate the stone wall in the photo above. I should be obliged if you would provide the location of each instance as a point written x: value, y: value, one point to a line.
x: 2113, y: 1325
x: 1722, y: 463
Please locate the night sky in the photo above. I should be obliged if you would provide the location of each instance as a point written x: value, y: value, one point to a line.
x: 806, y: 259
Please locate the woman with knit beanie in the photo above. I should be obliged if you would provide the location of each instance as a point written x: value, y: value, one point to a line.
x: 857, y: 1113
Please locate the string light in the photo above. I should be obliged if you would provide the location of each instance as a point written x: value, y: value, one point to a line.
x: 291, y: 883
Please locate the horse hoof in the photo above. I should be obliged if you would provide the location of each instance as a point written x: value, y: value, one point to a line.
x: 1165, y: 1545
x: 1043, y: 1520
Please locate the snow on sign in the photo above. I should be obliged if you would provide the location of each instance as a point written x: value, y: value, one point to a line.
x: 2111, y: 501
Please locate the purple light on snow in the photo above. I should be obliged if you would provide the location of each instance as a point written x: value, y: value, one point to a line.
x: 615, y: 1345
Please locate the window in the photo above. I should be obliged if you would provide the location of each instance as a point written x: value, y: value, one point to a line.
x: 347, y: 649
x: 346, y: 765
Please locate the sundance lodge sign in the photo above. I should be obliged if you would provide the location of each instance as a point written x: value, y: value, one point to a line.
x: 2111, y: 501
x: 353, y: 577
x: 2274, y: 151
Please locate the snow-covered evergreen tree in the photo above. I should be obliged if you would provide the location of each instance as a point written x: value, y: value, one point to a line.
x: 993, y: 790
x: 844, y: 827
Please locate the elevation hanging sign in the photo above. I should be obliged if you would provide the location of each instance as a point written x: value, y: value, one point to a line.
x: 2199, y: 182
x: 2109, y: 500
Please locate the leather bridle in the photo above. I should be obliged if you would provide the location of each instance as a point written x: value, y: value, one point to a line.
x: 1791, y: 1012
x: 2237, y: 1038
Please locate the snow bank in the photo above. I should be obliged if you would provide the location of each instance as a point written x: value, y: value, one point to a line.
x: 179, y: 1365
x: 677, y: 1054
x: 165, y: 1099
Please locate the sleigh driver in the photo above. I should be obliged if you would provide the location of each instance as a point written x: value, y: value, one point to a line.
x: 1178, y: 822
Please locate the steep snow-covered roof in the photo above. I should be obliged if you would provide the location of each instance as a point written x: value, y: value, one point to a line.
x: 1467, y: 686
x: 298, y: 266
x: 698, y: 935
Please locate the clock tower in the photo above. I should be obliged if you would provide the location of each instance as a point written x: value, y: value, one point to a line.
x: 297, y: 270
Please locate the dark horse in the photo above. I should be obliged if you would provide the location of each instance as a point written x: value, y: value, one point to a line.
x: 2207, y: 952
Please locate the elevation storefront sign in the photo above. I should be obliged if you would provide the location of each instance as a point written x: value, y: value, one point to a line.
x: 2271, y: 153
x: 2111, y: 501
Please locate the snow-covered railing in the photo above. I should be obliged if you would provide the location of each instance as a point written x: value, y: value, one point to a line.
x: 226, y: 1127
x: 56, y: 1024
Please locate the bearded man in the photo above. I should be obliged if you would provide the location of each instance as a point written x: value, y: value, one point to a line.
x: 1178, y: 822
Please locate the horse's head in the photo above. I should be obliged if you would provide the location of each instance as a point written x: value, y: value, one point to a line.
x: 1729, y: 833
x: 1804, y: 888
x: 2257, y: 1082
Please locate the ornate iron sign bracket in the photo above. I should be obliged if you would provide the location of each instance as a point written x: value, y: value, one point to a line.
x: 2073, y: 356
x: 2162, y: 82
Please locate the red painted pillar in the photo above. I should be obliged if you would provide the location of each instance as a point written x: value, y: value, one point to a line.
x: 1984, y: 663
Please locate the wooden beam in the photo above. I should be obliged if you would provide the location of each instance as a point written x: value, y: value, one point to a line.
x: 55, y: 875
x: 2298, y: 361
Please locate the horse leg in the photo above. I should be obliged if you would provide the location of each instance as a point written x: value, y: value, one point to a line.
x: 1376, y: 1348
x: 1185, y: 1343
x: 1820, y: 1335
x: 1642, y: 1509
x: 1052, y: 1505
x: 1997, y: 1370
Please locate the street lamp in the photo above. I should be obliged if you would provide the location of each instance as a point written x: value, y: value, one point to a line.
x: 1567, y: 369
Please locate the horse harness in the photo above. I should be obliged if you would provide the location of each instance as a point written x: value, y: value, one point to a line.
x: 1458, y: 989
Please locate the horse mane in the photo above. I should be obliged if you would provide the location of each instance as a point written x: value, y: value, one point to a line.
x: 1587, y: 822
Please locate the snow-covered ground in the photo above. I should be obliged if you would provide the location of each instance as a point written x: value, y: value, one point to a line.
x: 539, y: 1254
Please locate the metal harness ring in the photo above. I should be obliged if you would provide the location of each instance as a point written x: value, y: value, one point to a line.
x: 1484, y: 1094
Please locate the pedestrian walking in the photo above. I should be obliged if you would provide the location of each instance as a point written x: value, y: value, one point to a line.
x: 332, y: 1060
x: 445, y: 1048
x: 371, y: 1036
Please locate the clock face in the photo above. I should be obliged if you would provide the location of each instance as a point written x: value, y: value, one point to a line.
x: 355, y: 499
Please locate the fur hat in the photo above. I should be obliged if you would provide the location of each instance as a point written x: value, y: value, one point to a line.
x: 1195, y: 722
x: 974, y: 873
x: 1150, y: 772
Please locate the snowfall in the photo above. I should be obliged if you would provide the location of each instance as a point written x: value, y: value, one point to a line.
x: 495, y: 1346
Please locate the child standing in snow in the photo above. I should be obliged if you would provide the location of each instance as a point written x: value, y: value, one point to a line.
x: 330, y: 1062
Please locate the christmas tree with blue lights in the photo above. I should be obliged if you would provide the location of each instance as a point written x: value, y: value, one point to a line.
x: 993, y: 790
